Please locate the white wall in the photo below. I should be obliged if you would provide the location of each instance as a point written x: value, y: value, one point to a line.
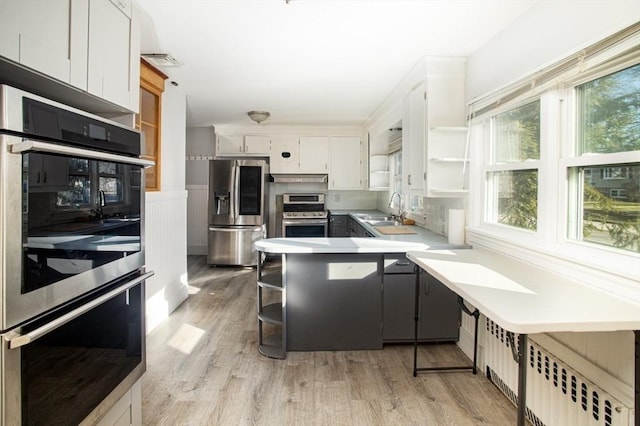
x: 548, y: 31
x: 165, y: 214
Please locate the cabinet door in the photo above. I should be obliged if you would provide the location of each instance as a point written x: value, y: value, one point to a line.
x: 10, y: 29
x: 398, y: 307
x: 47, y: 36
x: 48, y: 174
x: 257, y: 145
x: 345, y: 170
x: 110, y: 64
x: 229, y: 145
x: 439, y: 311
x: 284, y: 155
x: 314, y: 154
x: 416, y: 133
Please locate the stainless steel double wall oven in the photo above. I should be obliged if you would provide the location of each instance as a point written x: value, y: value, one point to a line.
x: 71, y: 261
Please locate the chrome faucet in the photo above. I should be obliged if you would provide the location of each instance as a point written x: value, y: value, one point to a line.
x: 399, y: 215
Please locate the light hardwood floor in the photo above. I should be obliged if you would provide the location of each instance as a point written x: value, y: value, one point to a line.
x: 203, y: 368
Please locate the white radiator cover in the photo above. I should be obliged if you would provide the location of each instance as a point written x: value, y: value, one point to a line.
x: 556, y: 393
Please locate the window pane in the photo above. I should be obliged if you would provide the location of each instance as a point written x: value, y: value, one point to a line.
x: 78, y: 194
x: 112, y: 188
x: 610, y: 113
x: 515, y: 198
x: 610, y: 207
x: 107, y: 168
x: 517, y: 134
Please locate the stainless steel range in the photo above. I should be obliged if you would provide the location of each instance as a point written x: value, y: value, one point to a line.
x: 304, y: 215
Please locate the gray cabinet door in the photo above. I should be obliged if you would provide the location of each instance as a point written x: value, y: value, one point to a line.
x: 439, y: 310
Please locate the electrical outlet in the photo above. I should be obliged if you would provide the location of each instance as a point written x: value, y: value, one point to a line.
x: 336, y: 198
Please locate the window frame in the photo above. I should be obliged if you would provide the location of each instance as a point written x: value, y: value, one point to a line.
x: 550, y: 244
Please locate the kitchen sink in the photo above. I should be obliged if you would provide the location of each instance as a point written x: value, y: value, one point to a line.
x: 383, y: 222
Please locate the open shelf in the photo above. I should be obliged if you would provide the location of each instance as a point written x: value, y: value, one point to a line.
x: 271, y: 280
x: 271, y: 346
x: 271, y: 313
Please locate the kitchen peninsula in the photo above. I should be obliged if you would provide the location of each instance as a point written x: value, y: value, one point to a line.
x: 349, y: 294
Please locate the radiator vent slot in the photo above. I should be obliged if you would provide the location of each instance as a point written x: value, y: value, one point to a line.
x: 556, y: 394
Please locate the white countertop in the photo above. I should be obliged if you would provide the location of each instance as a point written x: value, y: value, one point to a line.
x: 336, y: 245
x: 523, y: 298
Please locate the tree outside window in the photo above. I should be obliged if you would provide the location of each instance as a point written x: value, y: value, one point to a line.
x: 513, y: 173
x: 608, y: 195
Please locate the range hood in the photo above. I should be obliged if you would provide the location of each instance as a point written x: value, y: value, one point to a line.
x: 299, y: 178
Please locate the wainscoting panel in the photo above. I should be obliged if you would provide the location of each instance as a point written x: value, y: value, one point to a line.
x: 197, y: 219
x: 166, y: 253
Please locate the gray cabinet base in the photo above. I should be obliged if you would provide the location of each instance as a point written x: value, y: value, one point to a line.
x: 334, y: 301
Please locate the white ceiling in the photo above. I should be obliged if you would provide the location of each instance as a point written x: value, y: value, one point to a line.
x: 308, y: 61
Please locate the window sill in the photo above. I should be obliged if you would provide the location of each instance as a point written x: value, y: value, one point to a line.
x: 607, y: 270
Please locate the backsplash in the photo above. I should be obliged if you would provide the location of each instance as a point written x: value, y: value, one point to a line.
x: 436, y: 212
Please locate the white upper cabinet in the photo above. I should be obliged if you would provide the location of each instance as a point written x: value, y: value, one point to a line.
x: 113, y: 57
x: 229, y: 145
x: 47, y: 36
x: 434, y: 132
x: 257, y: 145
x: 414, y: 136
x: 446, y: 132
x: 235, y: 145
x: 93, y: 45
x: 284, y: 156
x: 346, y: 163
x: 314, y: 154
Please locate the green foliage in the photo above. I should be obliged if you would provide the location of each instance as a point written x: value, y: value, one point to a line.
x: 610, y: 107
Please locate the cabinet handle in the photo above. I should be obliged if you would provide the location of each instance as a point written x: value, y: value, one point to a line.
x: 44, y: 177
x: 402, y: 263
x: 38, y: 178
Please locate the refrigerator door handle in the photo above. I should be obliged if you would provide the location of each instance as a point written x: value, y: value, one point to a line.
x: 236, y: 192
x: 233, y: 203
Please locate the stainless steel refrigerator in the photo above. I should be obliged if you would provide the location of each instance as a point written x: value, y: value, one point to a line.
x: 237, y: 210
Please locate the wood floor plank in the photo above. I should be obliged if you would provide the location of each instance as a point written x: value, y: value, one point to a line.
x: 203, y: 368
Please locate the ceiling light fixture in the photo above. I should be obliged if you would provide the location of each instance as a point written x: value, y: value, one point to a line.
x: 258, y: 116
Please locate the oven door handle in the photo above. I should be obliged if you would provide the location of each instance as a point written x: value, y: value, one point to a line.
x: 16, y: 340
x: 37, y: 146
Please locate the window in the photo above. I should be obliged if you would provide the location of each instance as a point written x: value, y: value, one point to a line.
x: 604, y: 187
x: 395, y: 180
x: 512, y: 173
